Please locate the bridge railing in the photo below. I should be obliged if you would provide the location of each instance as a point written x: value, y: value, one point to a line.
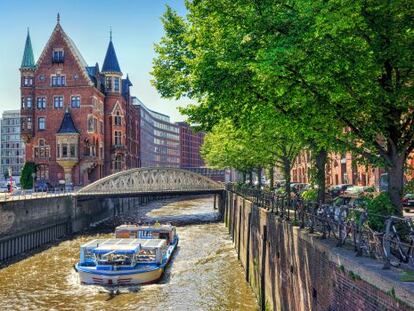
x: 349, y: 226
x: 17, y: 195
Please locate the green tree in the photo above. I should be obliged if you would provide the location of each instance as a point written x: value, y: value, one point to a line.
x: 340, y: 71
x: 26, y: 179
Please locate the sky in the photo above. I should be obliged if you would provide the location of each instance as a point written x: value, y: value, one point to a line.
x: 135, y: 24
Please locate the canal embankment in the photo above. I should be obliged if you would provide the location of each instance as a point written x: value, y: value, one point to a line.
x: 291, y: 269
x: 204, y: 273
x: 30, y: 225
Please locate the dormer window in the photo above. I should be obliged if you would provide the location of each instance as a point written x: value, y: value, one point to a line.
x: 58, y: 80
x: 58, y: 56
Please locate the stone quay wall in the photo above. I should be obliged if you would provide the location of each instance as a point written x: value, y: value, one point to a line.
x: 26, y: 225
x: 290, y: 269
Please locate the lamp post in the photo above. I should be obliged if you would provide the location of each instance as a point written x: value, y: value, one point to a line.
x: 33, y: 181
x: 11, y: 179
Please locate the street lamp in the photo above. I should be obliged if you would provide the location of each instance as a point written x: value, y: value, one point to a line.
x: 11, y: 179
x: 33, y: 180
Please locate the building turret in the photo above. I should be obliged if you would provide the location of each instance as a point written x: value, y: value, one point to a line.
x: 28, y: 62
x: 27, y: 70
x: 111, y: 70
x: 67, y: 142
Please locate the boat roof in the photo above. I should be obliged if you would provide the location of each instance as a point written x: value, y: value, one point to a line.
x: 122, y: 246
x: 167, y: 227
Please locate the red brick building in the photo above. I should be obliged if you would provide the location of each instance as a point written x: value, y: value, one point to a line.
x: 190, y: 144
x: 77, y: 121
x: 342, y: 169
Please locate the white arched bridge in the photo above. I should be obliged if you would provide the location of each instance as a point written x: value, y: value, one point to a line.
x: 148, y: 181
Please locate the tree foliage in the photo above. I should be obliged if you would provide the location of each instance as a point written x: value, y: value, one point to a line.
x: 26, y: 179
x: 340, y: 73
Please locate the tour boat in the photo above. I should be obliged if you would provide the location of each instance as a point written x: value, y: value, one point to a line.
x: 127, y: 260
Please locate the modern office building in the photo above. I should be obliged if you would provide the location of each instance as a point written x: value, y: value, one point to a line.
x: 12, y: 147
x: 159, y: 139
x: 190, y: 145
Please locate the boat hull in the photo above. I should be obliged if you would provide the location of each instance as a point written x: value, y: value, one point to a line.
x: 89, y: 275
x: 130, y: 278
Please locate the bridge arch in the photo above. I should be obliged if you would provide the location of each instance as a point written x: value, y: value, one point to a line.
x: 151, y: 180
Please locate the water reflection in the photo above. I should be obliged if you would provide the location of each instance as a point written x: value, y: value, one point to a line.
x: 204, y: 274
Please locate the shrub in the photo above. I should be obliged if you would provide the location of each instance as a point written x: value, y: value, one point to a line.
x: 26, y: 179
x: 378, y: 208
x: 310, y: 194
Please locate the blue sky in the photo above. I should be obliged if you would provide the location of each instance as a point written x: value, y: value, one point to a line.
x: 136, y: 26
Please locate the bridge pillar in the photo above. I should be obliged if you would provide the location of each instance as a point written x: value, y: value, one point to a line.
x: 221, y: 203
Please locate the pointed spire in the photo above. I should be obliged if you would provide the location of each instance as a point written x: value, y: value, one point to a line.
x: 110, y: 33
x: 110, y: 63
x: 58, y: 18
x: 28, y: 58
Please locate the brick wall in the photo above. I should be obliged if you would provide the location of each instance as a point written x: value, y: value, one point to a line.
x: 299, y: 271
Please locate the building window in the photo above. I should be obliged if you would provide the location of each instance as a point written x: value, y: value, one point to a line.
x: 108, y: 83
x: 41, y: 123
x: 116, y: 84
x: 29, y: 123
x: 117, y: 138
x: 101, y: 126
x: 58, y: 56
x: 118, y: 162
x: 28, y: 102
x: 23, y: 103
x: 117, y: 119
x: 58, y: 80
x: 41, y: 103
x: 27, y: 81
x: 41, y: 150
x: 64, y: 150
x: 90, y: 124
x: 75, y: 101
x: 95, y: 125
x: 58, y: 101
x: 72, y: 150
x: 42, y: 172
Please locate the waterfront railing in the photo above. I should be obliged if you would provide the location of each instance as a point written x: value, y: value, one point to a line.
x: 348, y: 225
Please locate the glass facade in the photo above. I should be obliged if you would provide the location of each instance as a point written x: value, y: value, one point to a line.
x: 159, y: 138
x: 12, y: 147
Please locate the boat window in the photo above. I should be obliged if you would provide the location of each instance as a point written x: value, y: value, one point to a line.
x: 114, y: 259
x: 146, y: 255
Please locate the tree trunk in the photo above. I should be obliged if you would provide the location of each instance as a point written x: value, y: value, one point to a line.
x: 396, y: 180
x: 320, y: 160
x: 286, y: 175
x: 272, y: 179
x: 244, y: 177
x: 250, y: 177
x: 259, y: 178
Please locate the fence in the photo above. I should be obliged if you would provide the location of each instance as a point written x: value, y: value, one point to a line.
x: 348, y: 225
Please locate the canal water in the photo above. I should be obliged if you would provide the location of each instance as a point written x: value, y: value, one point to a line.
x: 204, y: 274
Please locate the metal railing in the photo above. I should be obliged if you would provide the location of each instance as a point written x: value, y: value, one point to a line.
x: 30, y: 194
x: 349, y: 225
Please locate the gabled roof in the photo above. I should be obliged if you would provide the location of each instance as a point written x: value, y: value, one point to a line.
x: 28, y: 58
x: 110, y: 63
x: 72, y: 47
x: 67, y: 126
